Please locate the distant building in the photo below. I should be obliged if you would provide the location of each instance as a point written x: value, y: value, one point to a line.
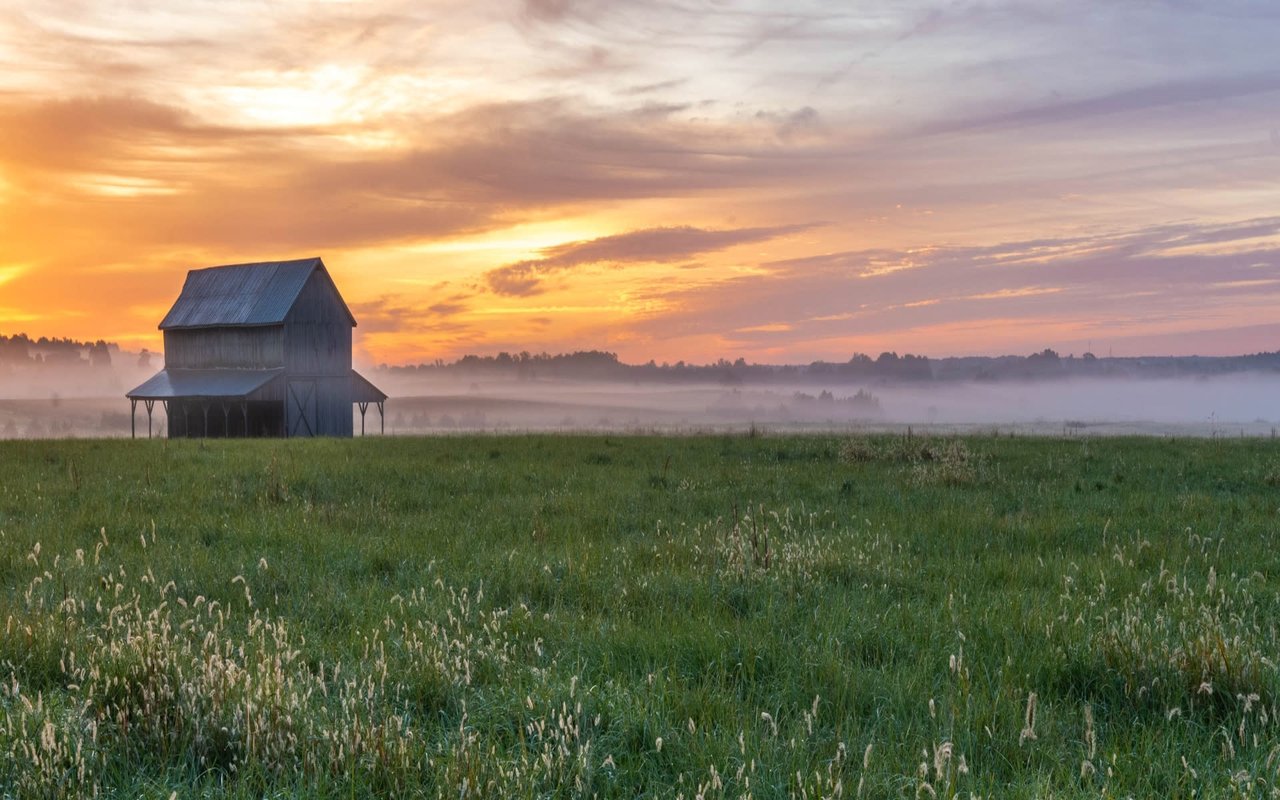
x: 258, y: 350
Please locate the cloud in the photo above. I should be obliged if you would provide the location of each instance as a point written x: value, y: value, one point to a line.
x: 654, y: 245
x: 397, y: 314
x: 1140, y: 279
x: 548, y: 10
x: 517, y: 280
x: 254, y: 188
x: 659, y: 86
x: 549, y: 153
x: 1143, y: 98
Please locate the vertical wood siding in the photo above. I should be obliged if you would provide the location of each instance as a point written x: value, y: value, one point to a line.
x: 209, y: 348
x: 317, y: 347
x: 317, y: 331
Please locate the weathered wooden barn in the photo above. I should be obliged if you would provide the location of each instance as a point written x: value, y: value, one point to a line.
x: 258, y: 350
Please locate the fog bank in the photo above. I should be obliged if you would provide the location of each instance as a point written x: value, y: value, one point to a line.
x: 1246, y: 403
x: 93, y: 404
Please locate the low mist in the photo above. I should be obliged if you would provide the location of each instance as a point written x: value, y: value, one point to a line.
x: 1240, y: 403
x: 76, y: 401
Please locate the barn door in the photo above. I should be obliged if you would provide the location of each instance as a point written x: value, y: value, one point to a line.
x: 302, y: 408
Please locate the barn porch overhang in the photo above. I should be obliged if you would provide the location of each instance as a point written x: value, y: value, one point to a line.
x: 362, y: 394
x: 225, y: 388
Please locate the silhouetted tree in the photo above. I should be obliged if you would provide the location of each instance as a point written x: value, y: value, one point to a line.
x: 100, y: 354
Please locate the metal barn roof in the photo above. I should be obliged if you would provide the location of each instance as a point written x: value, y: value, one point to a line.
x: 168, y: 384
x: 242, y: 294
x: 362, y: 391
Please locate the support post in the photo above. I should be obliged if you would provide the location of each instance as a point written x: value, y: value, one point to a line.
x: 150, y: 404
x: 382, y: 417
x: 204, y: 434
x: 133, y: 418
x: 168, y: 418
x: 186, y: 421
x: 226, y: 419
x: 244, y: 411
x: 363, y: 408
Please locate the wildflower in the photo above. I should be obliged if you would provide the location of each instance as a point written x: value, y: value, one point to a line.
x: 941, y: 757
x: 767, y: 717
x: 1029, y: 728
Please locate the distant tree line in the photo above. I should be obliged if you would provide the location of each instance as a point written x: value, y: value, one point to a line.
x: 888, y: 367
x: 1049, y: 364
x: 22, y: 350
x: 602, y: 365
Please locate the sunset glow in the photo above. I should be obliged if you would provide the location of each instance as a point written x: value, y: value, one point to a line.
x: 777, y: 182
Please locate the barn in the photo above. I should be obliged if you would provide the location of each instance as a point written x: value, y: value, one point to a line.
x: 258, y: 350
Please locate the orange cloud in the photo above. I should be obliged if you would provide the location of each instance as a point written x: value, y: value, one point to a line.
x: 655, y: 245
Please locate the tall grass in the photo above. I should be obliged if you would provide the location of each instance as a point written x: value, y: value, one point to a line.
x: 748, y: 616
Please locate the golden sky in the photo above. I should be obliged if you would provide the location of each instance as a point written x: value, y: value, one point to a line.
x: 667, y: 180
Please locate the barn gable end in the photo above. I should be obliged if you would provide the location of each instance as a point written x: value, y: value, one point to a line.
x: 317, y: 330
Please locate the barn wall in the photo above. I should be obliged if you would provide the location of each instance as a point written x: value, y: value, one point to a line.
x: 317, y: 348
x: 333, y: 406
x: 317, y: 332
x: 273, y: 392
x: 318, y: 406
x: 243, y: 348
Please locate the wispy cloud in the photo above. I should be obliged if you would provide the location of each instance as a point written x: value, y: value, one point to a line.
x: 1143, y: 98
x: 393, y: 314
x: 656, y: 245
x: 1090, y: 280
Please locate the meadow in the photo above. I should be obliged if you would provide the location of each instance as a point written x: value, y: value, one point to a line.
x: 746, y: 615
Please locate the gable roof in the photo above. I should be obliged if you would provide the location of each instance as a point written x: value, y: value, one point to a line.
x: 243, y: 294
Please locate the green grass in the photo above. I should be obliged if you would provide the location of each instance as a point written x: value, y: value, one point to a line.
x: 719, y: 616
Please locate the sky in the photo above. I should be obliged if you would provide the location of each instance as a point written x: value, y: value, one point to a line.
x: 673, y: 180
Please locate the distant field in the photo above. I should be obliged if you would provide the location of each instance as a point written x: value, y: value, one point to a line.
x: 623, y: 616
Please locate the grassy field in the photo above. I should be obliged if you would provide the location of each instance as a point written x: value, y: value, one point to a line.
x: 721, y: 616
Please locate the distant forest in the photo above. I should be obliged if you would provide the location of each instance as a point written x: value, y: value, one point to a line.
x: 888, y: 367
x: 20, y: 351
